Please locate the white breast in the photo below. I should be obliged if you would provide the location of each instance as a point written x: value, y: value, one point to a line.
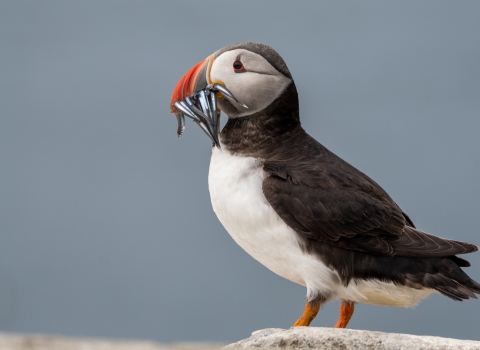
x: 235, y: 184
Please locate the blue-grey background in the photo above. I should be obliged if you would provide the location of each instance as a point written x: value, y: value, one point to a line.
x: 106, y: 227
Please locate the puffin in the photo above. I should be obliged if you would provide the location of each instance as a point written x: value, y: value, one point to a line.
x: 298, y: 208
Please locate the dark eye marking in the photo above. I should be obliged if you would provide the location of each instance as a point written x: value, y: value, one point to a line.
x: 238, y: 66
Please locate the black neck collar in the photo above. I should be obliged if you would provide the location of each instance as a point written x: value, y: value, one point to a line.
x: 256, y: 134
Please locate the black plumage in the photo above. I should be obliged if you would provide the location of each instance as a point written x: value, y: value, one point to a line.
x: 339, y: 213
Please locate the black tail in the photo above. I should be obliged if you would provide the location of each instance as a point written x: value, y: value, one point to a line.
x: 443, y: 274
x: 459, y: 261
x: 460, y: 292
x: 452, y: 281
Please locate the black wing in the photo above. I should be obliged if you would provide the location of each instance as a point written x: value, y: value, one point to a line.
x: 335, y: 203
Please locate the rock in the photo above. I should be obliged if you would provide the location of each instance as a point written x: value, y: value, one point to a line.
x: 346, y: 339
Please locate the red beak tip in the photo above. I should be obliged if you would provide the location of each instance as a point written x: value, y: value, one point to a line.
x: 186, y: 85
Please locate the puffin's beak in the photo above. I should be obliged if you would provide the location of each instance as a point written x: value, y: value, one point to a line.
x: 196, y: 97
x: 191, y: 98
x: 196, y: 79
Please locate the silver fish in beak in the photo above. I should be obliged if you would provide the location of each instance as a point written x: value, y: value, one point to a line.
x: 195, y: 97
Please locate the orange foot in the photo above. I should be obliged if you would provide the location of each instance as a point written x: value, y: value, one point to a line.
x: 346, y: 312
x: 308, y: 315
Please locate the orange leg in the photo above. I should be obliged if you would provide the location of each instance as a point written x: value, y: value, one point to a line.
x: 308, y: 315
x: 346, y: 312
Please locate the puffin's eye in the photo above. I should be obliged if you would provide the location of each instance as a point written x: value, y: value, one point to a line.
x: 238, y: 67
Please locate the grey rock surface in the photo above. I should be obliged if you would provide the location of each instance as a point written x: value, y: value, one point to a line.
x: 44, y: 342
x: 346, y: 339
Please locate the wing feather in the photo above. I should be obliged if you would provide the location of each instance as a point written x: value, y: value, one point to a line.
x: 351, y: 214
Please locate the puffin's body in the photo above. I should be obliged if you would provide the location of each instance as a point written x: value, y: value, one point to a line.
x: 302, y: 211
x: 235, y: 184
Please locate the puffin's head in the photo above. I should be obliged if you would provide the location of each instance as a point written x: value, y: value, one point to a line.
x: 254, y: 73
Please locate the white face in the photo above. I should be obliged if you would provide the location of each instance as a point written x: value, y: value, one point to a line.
x: 257, y: 86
